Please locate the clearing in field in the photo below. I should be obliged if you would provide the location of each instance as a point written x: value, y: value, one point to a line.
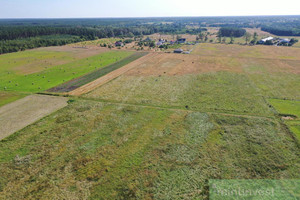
x: 25, y: 111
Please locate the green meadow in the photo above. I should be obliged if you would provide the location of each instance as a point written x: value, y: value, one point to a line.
x: 7, y: 97
x: 94, y: 150
x: 14, y: 76
x: 291, y: 109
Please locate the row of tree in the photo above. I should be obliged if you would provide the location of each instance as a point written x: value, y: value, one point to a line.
x: 282, y: 31
x: 231, y: 32
x: 7, y: 46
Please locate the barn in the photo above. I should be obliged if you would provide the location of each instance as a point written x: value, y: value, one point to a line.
x: 178, y: 51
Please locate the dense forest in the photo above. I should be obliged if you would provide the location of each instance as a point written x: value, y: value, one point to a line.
x: 232, y: 32
x: 7, y: 46
x: 20, y: 34
x: 282, y: 31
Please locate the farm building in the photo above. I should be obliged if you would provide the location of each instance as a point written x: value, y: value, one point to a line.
x: 181, y: 40
x: 159, y: 43
x: 178, y: 51
x: 119, y: 44
x: 148, y: 39
x: 284, y: 40
x: 172, y: 42
x: 262, y: 41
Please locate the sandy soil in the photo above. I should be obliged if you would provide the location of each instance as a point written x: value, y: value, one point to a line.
x: 110, y: 76
x: 23, y: 112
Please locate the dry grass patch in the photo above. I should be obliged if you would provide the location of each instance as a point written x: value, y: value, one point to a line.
x: 21, y: 113
x: 258, y: 51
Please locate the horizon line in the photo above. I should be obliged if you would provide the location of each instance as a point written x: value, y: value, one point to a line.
x: 12, y: 18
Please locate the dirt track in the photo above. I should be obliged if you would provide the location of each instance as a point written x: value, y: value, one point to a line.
x: 23, y: 112
x: 110, y: 76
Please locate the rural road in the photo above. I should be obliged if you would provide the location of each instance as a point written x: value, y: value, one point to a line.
x: 23, y: 112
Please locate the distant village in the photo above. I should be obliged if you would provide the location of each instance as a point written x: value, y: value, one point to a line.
x: 161, y: 43
x: 176, y: 44
x: 277, y: 41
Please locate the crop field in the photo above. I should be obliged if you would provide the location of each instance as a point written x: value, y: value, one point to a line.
x: 258, y: 51
x: 85, y: 79
x: 206, y: 83
x: 96, y: 42
x: 100, y: 150
x: 15, y: 77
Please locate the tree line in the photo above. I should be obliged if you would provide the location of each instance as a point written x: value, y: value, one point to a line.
x: 231, y: 32
x: 282, y: 31
x: 7, y: 46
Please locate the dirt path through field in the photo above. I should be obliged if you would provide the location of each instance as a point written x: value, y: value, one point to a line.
x: 110, y: 76
x: 23, y: 112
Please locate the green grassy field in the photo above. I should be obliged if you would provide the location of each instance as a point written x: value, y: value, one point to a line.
x: 78, y: 82
x: 110, y: 151
x: 8, y: 97
x: 287, y: 107
x: 290, y: 109
x: 97, y: 42
x: 212, y: 92
x: 13, y: 79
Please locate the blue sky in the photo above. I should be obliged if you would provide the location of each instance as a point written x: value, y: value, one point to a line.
x: 143, y: 8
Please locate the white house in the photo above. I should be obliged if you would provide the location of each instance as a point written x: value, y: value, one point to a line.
x: 265, y: 39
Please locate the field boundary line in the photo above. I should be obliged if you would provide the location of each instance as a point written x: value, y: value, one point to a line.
x: 110, y: 76
x: 178, y: 109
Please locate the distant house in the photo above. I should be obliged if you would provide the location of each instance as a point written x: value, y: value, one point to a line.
x: 148, y: 39
x: 181, y: 40
x: 284, y: 40
x: 119, y: 44
x: 262, y: 41
x: 178, y: 51
x: 159, y: 43
x: 172, y: 42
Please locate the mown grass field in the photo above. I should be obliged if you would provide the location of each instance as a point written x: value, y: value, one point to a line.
x: 77, y: 82
x: 216, y: 78
x: 164, y: 128
x: 13, y: 75
x: 7, y: 97
x: 96, y: 42
x: 291, y: 110
x: 93, y: 150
